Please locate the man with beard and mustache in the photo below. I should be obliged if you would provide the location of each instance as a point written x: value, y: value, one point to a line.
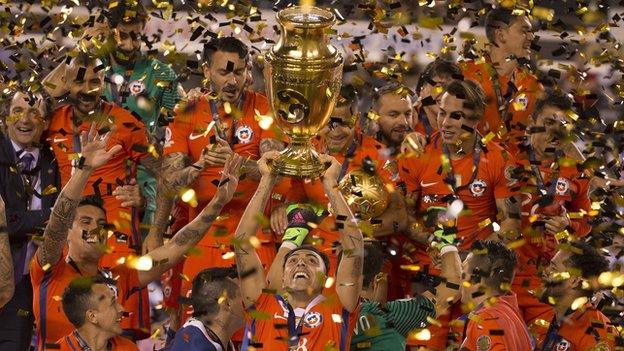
x: 115, y: 183
x: 458, y: 172
x: 494, y: 322
x: 511, y: 88
x: 552, y: 193
x: 392, y: 112
x: 300, y: 316
x: 204, y: 132
x: 574, y: 323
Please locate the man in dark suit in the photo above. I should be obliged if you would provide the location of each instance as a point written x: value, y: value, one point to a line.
x: 29, y: 183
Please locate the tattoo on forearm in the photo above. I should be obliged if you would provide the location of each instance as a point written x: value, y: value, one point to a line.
x: 186, y: 236
x: 6, y: 264
x: 193, y: 232
x: 55, y: 234
x: 357, y: 266
x: 270, y: 144
x: 152, y: 164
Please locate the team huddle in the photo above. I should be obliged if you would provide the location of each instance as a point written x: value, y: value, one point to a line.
x: 460, y: 215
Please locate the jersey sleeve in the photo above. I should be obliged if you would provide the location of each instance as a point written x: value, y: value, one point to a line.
x: 500, y: 170
x: 580, y: 201
x: 178, y: 131
x: 601, y: 335
x: 486, y: 334
x: 409, y: 314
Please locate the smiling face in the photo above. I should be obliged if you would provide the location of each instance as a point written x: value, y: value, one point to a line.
x: 304, y: 271
x: 85, y: 90
x: 516, y: 38
x: 27, y: 119
x: 87, y: 235
x: 395, y: 117
x: 338, y: 134
x: 107, y: 312
x: 453, y: 117
x: 556, y: 277
x: 227, y: 74
x: 550, y: 129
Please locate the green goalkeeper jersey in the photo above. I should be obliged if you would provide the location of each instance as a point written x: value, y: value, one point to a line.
x: 385, y: 327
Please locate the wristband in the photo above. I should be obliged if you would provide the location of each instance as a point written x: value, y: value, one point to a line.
x: 442, y: 239
x: 295, y: 235
x: 288, y: 245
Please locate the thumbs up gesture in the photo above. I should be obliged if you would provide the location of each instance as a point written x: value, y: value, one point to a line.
x: 216, y: 154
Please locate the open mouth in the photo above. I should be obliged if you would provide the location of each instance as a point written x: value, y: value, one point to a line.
x: 24, y: 130
x: 301, y: 275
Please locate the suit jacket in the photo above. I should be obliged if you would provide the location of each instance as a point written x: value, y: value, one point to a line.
x: 22, y: 222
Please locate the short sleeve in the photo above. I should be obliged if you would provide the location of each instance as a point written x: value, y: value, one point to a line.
x: 484, y: 335
x: 37, y: 272
x: 501, y: 170
x: 177, y: 132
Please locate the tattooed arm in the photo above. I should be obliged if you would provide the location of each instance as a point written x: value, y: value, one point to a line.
x: 174, y: 175
x: 349, y: 275
x: 55, y: 234
x: 171, y: 253
x: 7, y: 283
x: 266, y: 145
x: 250, y: 268
x: 509, y: 209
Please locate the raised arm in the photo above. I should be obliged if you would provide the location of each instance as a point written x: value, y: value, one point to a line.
x: 93, y: 155
x: 171, y: 253
x: 447, y: 292
x: 349, y: 276
x: 250, y: 268
x: 7, y: 282
x: 509, y: 208
x: 174, y: 176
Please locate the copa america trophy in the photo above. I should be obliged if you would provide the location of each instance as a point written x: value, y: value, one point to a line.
x: 303, y: 75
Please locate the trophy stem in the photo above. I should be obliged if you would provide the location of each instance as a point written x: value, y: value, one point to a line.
x: 298, y: 160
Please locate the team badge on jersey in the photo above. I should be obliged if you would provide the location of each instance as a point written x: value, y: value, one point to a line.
x: 521, y: 102
x: 244, y: 134
x: 136, y: 87
x: 562, y: 186
x: 313, y: 319
x: 484, y: 343
x: 477, y: 187
x: 563, y: 345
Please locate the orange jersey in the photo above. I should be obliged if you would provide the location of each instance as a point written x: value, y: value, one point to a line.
x: 584, y: 329
x: 72, y: 343
x: 48, y: 287
x: 570, y: 195
x: 326, y: 324
x: 522, y: 101
x: 128, y: 132
x: 190, y: 134
x: 422, y: 124
x: 425, y: 176
x: 497, y: 327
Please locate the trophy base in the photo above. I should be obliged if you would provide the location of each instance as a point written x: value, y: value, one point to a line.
x: 298, y: 160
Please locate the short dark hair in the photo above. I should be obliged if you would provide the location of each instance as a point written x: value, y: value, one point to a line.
x: 209, y: 286
x: 373, y: 261
x: 389, y: 88
x: 225, y: 44
x: 469, y: 91
x: 48, y: 102
x: 93, y: 200
x: 86, y: 59
x: 77, y: 297
x: 438, y: 67
x: 348, y: 97
x: 498, y: 18
x: 587, y: 259
x: 127, y: 12
x: 502, y: 262
x: 312, y: 248
x: 553, y: 98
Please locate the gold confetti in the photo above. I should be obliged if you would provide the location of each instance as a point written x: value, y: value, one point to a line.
x: 484, y: 223
x: 336, y: 318
x: 422, y: 334
x: 228, y: 255
x: 578, y: 303
x: 50, y: 189
x: 543, y: 13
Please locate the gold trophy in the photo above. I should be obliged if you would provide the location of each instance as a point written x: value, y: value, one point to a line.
x: 303, y: 75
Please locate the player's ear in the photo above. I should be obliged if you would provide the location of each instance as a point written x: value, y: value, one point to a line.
x: 91, y: 316
x: 206, y: 70
x: 500, y: 35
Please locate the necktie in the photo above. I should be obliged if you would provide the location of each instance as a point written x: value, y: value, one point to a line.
x: 28, y: 163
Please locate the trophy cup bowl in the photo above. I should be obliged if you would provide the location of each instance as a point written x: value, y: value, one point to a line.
x: 303, y: 78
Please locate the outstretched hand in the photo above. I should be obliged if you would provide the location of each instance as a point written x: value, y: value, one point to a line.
x: 94, y: 146
x: 229, y: 179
